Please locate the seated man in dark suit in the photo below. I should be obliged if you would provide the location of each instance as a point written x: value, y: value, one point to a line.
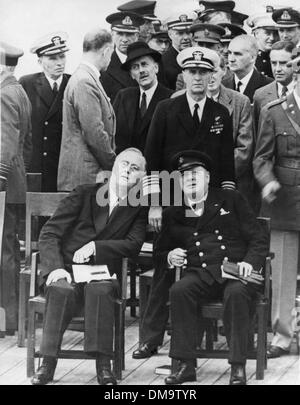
x: 210, y: 226
x: 94, y: 222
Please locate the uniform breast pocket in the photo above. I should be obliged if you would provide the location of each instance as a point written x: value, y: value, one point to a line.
x: 285, y: 140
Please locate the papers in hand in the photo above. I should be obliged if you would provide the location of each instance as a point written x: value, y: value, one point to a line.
x: 147, y: 247
x: 84, y: 273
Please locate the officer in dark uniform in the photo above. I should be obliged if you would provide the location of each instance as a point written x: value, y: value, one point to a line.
x: 266, y: 33
x: 178, y: 30
x: 125, y: 28
x: 288, y: 23
x: 45, y: 91
x: 212, y: 225
x: 277, y: 169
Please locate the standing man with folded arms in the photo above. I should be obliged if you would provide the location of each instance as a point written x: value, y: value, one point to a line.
x: 87, y: 146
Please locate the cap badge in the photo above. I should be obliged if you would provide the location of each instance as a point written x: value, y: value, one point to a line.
x: 183, y: 18
x: 127, y: 21
x: 269, y: 9
x: 206, y: 33
x: 201, y: 8
x: 197, y: 55
x: 227, y: 32
x: 56, y: 40
x: 180, y: 160
x: 286, y: 16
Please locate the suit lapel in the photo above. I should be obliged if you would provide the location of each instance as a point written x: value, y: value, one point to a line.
x: 252, y: 85
x: 206, y: 120
x: 44, y: 90
x: 225, y: 99
x: 99, y: 213
x: 132, y: 106
x: 119, y: 74
x: 212, y: 207
x: 150, y: 110
x: 184, y: 115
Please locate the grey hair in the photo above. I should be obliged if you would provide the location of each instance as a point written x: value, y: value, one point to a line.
x: 135, y: 150
x: 251, y: 42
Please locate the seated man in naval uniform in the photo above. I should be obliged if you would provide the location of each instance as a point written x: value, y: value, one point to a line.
x: 210, y: 226
x: 97, y: 222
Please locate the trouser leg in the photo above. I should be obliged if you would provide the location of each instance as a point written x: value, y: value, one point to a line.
x: 99, y: 316
x: 61, y: 306
x: 184, y: 300
x: 10, y: 268
x: 285, y: 245
x: 238, y: 310
x: 157, y: 312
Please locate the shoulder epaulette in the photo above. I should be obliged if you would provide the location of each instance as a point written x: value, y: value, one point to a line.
x: 275, y: 102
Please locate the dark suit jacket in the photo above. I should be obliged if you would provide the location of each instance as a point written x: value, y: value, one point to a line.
x: 131, y: 129
x: 172, y: 130
x: 79, y: 219
x: 227, y: 228
x: 115, y: 78
x: 256, y: 81
x: 46, y: 126
x: 171, y: 67
x: 15, y: 138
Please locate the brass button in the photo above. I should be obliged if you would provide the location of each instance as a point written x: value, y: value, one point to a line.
x: 223, y: 247
x: 45, y: 153
x: 45, y: 138
x: 195, y: 233
x: 198, y: 243
x: 46, y: 122
x: 201, y: 254
x: 220, y: 237
x: 204, y: 265
x: 217, y: 231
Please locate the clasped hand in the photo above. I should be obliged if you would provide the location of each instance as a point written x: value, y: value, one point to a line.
x: 177, y: 257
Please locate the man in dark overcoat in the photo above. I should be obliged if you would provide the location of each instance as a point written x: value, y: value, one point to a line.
x: 277, y: 169
x: 134, y: 106
x: 211, y: 226
x: 45, y: 91
x: 15, y: 155
x: 96, y: 222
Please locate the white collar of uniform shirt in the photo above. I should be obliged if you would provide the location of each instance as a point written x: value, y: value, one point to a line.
x: 297, y: 98
x: 215, y: 97
x: 198, y: 211
x: 192, y: 102
x: 149, y: 93
x: 290, y: 88
x: 51, y: 81
x: 245, y: 80
x: 113, y: 198
x: 93, y: 67
x: 121, y: 56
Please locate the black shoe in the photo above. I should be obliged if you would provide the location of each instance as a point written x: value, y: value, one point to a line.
x: 238, y: 375
x: 144, y: 351
x: 276, y: 351
x: 185, y: 372
x: 104, y: 373
x: 45, y: 372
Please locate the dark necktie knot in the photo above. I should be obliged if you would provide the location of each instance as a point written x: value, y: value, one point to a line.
x: 238, y: 86
x: 196, y: 116
x: 143, y: 107
x: 284, y: 91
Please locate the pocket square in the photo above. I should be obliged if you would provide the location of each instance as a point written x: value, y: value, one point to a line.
x: 223, y: 212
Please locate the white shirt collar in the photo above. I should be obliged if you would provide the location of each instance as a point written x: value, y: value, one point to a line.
x: 290, y: 88
x: 191, y: 203
x: 121, y: 56
x: 149, y: 93
x: 113, y: 198
x: 93, y: 67
x: 297, y: 98
x: 51, y: 81
x: 192, y: 102
x: 244, y: 80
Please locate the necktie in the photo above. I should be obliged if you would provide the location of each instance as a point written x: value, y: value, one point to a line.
x: 238, y: 86
x: 196, y: 116
x: 284, y: 91
x: 55, y: 89
x: 143, y: 107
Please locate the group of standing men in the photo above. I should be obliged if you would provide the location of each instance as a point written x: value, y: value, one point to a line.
x: 237, y: 100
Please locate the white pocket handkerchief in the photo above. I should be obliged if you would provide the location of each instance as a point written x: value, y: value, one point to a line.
x: 223, y: 212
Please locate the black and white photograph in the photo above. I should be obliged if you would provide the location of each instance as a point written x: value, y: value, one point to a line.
x: 149, y: 195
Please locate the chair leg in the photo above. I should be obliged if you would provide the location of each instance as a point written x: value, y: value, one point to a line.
x: 132, y: 277
x: 209, y: 345
x: 23, y: 299
x: 118, y: 352
x: 31, y: 340
x: 261, y: 343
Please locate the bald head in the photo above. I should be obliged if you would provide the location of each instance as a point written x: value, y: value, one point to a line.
x: 97, y: 48
x: 242, y: 54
